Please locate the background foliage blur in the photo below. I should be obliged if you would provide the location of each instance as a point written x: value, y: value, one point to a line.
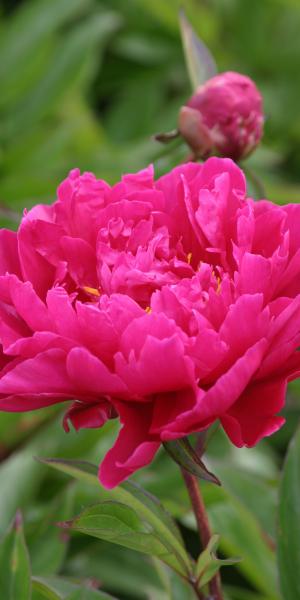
x: 86, y: 83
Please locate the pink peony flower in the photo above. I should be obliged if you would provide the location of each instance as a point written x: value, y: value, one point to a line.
x: 224, y: 116
x: 170, y: 304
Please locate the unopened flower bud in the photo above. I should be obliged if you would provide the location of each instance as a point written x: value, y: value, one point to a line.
x: 224, y: 116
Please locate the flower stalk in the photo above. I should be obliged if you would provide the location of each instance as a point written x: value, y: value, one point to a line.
x: 203, y: 526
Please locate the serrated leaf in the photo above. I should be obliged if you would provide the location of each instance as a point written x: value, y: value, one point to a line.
x: 185, y: 456
x: 200, y: 62
x: 15, y: 581
x: 118, y: 523
x: 289, y: 523
x: 144, y: 504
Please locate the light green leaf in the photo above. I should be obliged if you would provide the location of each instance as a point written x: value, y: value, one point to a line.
x: 200, y: 62
x: 59, y: 588
x: 14, y: 564
x: 144, y: 504
x: 289, y: 523
x: 208, y: 564
x: 41, y: 591
x: 118, y: 523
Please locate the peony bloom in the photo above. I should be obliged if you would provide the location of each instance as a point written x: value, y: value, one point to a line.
x: 170, y: 304
x: 224, y: 116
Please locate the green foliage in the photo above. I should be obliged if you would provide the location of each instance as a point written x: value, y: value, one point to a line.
x: 185, y: 456
x: 289, y: 523
x: 208, y: 564
x: 14, y: 563
x: 87, y: 83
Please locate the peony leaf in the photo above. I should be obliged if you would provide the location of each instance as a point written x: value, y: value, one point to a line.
x: 200, y: 62
x: 41, y: 591
x: 119, y: 523
x: 289, y: 523
x: 208, y: 564
x: 86, y: 594
x: 58, y: 588
x: 14, y: 564
x: 145, y: 505
x: 186, y: 457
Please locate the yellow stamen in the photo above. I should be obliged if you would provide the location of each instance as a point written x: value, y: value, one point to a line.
x: 91, y: 290
x: 148, y: 310
x: 189, y: 258
x: 219, y: 285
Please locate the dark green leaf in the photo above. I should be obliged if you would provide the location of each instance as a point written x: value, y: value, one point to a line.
x: 184, y: 455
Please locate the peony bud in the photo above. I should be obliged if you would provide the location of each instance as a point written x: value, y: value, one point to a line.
x: 224, y: 116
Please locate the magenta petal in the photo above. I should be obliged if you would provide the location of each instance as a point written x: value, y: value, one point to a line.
x: 161, y: 367
x: 254, y: 415
x: 34, y: 377
x: 88, y: 373
x: 133, y: 449
x: 9, y: 257
x: 223, y: 394
x: 87, y: 415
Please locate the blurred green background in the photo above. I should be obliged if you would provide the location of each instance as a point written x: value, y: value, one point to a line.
x: 86, y: 83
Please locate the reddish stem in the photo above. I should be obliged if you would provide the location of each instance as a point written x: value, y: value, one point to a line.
x: 203, y: 526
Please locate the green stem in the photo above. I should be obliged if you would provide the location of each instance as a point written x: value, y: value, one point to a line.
x: 201, y: 517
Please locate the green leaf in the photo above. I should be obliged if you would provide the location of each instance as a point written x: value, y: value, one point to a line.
x: 289, y: 523
x: 27, y: 28
x: 47, y: 558
x: 41, y: 591
x: 87, y: 594
x: 59, y: 588
x: 205, y: 558
x: 144, y: 504
x: 65, y: 69
x: 241, y: 535
x: 200, y: 62
x: 14, y: 564
x: 208, y: 564
x: 185, y: 456
x: 118, y: 523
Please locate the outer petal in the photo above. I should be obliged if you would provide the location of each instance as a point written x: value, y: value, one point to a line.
x: 254, y: 415
x: 9, y: 257
x: 223, y: 394
x: 134, y: 447
x: 33, y: 378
